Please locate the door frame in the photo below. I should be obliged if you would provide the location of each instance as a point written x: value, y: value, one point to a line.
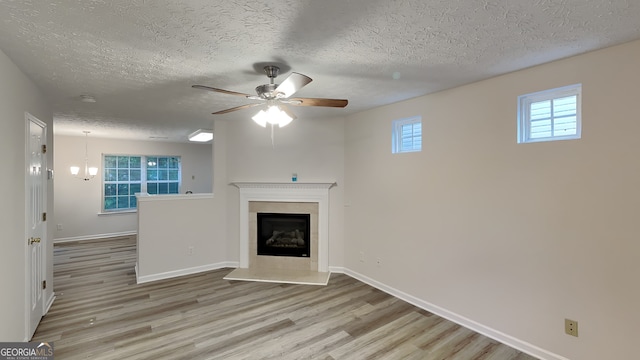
x: 44, y: 239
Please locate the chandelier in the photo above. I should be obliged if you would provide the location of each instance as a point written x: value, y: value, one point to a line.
x: 89, y: 171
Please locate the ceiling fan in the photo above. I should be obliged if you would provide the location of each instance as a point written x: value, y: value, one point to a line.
x: 276, y: 96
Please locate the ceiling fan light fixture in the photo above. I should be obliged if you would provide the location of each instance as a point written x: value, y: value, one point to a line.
x: 273, y: 115
x: 201, y: 135
x: 285, y: 119
x: 260, y: 118
x: 276, y: 97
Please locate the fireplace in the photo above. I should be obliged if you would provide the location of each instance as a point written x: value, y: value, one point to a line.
x: 283, y: 234
x: 285, y: 198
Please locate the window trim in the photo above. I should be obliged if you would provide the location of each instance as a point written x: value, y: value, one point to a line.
x: 524, y: 116
x: 396, y: 134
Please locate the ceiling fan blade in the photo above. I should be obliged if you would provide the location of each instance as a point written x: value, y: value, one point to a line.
x: 292, y: 83
x: 235, y: 109
x: 320, y: 102
x: 219, y: 90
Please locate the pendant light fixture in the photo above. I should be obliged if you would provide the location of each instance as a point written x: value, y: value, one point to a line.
x: 89, y: 171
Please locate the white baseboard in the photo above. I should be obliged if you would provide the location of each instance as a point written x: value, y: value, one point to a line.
x: 49, y: 303
x: 181, y: 272
x: 46, y: 310
x: 94, y: 237
x: 458, y: 319
x: 232, y: 264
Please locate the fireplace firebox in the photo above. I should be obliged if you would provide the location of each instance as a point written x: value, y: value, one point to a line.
x: 284, y: 234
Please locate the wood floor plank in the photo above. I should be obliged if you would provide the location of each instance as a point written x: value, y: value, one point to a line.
x: 101, y: 313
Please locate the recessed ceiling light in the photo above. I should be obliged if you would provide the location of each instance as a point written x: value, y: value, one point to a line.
x: 87, y: 98
x: 201, y: 135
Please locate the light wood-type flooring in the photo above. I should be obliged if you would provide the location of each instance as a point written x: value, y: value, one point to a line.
x: 101, y: 313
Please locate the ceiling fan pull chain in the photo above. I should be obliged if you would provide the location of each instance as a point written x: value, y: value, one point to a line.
x: 273, y: 142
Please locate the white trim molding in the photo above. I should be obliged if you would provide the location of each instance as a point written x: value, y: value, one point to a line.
x: 49, y: 303
x: 456, y: 318
x: 182, y: 272
x: 280, y: 185
x: 166, y: 197
x: 286, y: 192
x: 94, y: 237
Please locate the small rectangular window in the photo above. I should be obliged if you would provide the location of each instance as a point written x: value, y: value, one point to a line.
x: 407, y: 135
x: 550, y: 115
x: 126, y: 175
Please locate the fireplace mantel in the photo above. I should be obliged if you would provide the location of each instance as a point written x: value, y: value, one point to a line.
x: 286, y: 192
x: 282, y: 185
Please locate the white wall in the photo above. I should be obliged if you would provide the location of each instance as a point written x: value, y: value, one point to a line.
x: 78, y: 202
x: 312, y: 148
x: 17, y: 96
x: 169, y: 225
x: 516, y: 237
x: 177, y: 236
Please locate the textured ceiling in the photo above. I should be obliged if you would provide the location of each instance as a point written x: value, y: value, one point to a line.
x: 139, y: 58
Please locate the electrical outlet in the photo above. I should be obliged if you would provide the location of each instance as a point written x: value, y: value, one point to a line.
x: 59, y: 227
x: 571, y: 327
x: 361, y: 256
x: 378, y: 262
x: 190, y: 250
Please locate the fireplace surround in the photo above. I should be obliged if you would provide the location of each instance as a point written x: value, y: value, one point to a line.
x: 262, y: 197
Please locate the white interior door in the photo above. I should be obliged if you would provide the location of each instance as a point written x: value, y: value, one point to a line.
x: 36, y: 212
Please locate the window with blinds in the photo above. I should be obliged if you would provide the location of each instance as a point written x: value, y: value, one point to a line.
x: 550, y: 115
x: 407, y: 135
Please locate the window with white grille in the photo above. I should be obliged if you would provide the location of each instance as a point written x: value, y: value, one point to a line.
x: 407, y: 135
x: 126, y: 175
x: 550, y: 115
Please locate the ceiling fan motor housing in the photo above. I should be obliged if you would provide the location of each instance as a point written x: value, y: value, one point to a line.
x: 267, y: 91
